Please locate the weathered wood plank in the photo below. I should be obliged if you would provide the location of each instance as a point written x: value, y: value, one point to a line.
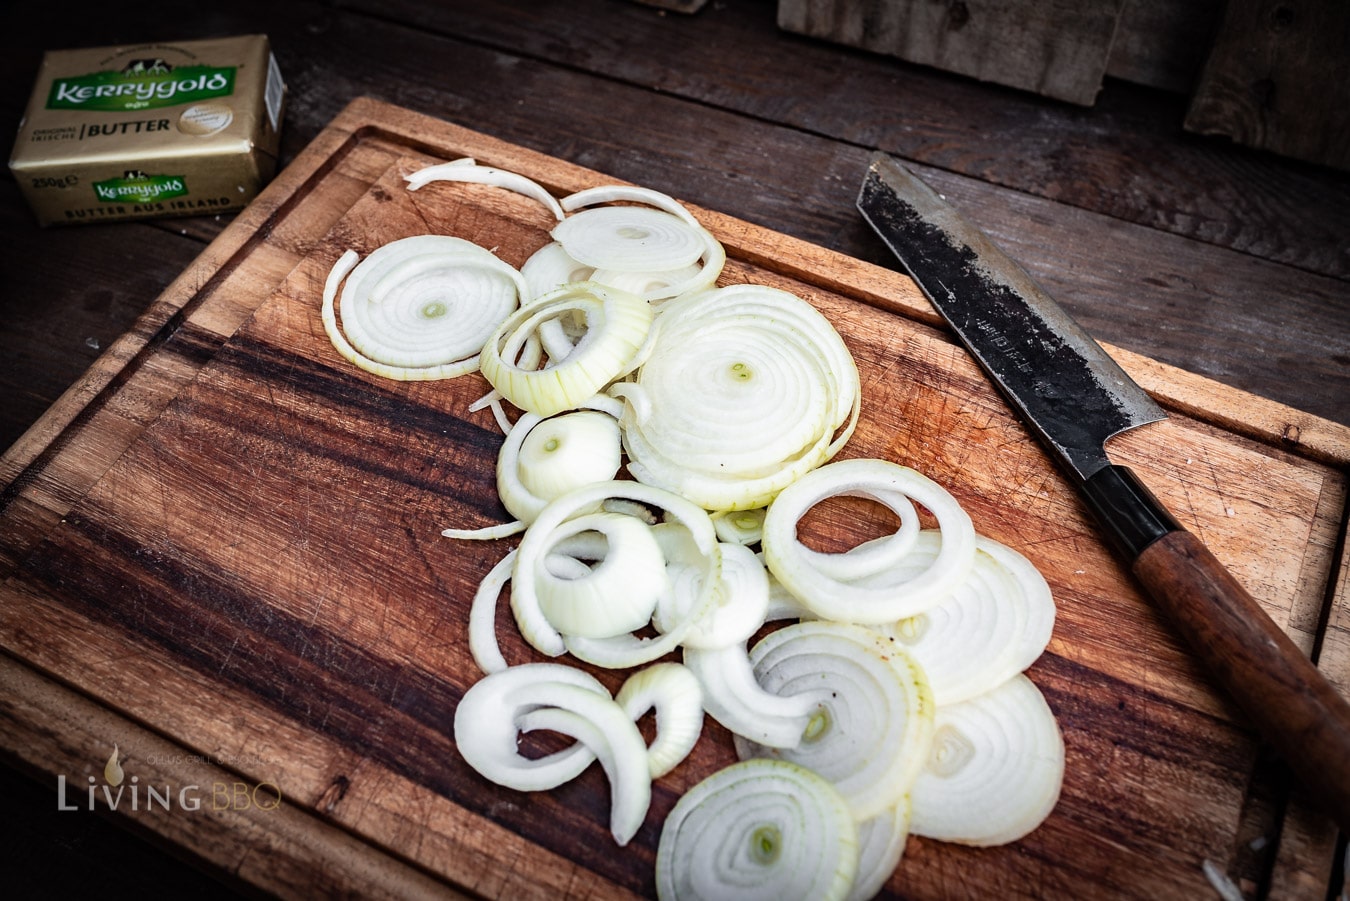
x: 1056, y: 49
x: 1278, y: 78
x: 1158, y: 42
x: 1127, y: 158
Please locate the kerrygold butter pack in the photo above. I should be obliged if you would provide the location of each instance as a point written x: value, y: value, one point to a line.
x: 172, y: 129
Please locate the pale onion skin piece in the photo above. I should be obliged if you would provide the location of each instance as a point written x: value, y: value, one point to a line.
x: 759, y: 830
x: 996, y: 768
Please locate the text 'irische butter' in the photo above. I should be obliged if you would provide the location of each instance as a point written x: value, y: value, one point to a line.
x: 183, y: 128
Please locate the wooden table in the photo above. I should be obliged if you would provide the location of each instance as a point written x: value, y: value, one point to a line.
x: 1225, y: 263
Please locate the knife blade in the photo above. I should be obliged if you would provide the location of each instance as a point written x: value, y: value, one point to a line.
x: 1074, y: 397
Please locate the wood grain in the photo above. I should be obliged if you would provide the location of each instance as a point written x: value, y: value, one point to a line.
x: 1056, y: 49
x: 230, y: 518
x: 1278, y: 78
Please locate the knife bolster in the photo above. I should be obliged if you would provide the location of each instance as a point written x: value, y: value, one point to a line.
x: 1131, y: 516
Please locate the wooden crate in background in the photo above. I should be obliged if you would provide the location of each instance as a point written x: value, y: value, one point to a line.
x: 1270, y: 74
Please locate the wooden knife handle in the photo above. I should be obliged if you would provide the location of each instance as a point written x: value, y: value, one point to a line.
x: 1288, y: 699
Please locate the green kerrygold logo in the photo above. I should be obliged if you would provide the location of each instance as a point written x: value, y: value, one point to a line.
x: 135, y: 187
x: 138, y: 88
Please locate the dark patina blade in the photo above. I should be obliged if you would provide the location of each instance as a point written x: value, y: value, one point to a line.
x: 1062, y: 382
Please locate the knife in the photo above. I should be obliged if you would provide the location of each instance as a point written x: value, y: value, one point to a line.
x: 1074, y: 397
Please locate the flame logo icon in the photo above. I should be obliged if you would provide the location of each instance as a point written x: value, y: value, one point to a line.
x: 112, y: 771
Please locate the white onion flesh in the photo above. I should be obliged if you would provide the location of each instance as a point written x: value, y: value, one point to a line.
x: 995, y: 771
x: 467, y: 170
x: 542, y: 459
x: 675, y: 694
x: 748, y: 388
x: 759, y: 829
x: 733, y: 697
x: 866, y: 601
x: 616, y: 328
x: 539, y: 538
x: 629, y: 239
x: 487, y: 722
x: 872, y: 730
x: 881, y: 844
x: 740, y: 603
x: 418, y: 308
x: 992, y: 626
x: 550, y: 268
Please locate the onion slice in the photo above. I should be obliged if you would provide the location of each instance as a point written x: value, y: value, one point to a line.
x: 539, y: 539
x: 992, y: 626
x: 866, y: 601
x: 467, y: 170
x: 616, y: 328
x: 418, y: 308
x: 674, y: 693
x: 487, y: 721
x: 758, y: 829
x: 881, y: 844
x: 733, y: 697
x: 995, y: 771
x: 871, y: 732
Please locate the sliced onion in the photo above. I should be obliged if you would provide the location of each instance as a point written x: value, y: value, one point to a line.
x: 740, y: 526
x: 487, y: 720
x: 620, y: 193
x: 655, y: 285
x: 486, y: 727
x: 733, y: 697
x: 740, y: 603
x: 864, y: 601
x: 992, y: 626
x: 418, y: 308
x: 674, y: 693
x: 483, y: 616
x: 467, y: 170
x: 748, y: 388
x: 759, y: 829
x: 542, y: 459
x: 872, y: 730
x: 539, y: 538
x: 995, y: 771
x: 881, y: 844
x: 616, y: 328
x: 550, y: 268
x: 615, y: 597
x: 629, y: 239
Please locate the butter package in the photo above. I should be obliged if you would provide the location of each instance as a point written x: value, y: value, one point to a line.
x: 174, y: 129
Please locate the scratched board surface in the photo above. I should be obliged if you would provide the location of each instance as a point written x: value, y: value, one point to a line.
x: 260, y: 568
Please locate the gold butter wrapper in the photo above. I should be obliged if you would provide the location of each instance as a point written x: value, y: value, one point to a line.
x: 165, y: 129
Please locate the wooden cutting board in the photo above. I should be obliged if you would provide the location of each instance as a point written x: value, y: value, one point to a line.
x: 221, y: 554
